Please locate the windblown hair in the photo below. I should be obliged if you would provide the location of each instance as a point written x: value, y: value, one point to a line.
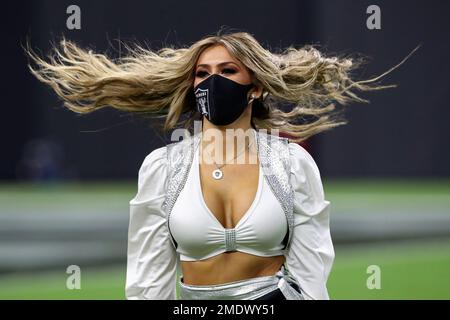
x: 160, y: 83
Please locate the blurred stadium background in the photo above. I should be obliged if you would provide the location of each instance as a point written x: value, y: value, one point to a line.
x: 66, y: 180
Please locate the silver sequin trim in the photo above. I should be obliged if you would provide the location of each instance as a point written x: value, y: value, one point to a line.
x: 248, y: 289
x: 275, y: 161
x: 230, y: 239
x: 179, y: 159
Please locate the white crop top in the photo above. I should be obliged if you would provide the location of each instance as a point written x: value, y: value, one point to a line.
x: 153, y: 264
x: 200, y: 235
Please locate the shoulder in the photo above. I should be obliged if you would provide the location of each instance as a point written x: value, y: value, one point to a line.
x: 163, y: 156
x: 152, y: 176
x: 301, y: 159
x: 176, y: 151
x: 154, y: 159
x: 305, y: 174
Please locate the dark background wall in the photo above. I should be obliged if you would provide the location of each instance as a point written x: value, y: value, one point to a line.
x: 403, y: 132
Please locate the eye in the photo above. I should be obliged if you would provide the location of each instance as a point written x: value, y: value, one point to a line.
x: 201, y: 74
x: 229, y: 71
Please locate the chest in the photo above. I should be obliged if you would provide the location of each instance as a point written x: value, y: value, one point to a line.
x: 187, y: 211
x: 227, y: 216
x: 229, y: 198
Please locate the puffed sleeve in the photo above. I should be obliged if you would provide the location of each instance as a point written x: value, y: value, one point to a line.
x: 151, y: 257
x: 311, y: 253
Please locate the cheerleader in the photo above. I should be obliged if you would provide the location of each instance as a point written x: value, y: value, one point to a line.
x: 232, y: 211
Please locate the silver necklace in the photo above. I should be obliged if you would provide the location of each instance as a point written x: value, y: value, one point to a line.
x: 218, y: 174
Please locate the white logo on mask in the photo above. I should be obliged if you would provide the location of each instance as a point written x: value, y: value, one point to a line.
x: 202, y: 98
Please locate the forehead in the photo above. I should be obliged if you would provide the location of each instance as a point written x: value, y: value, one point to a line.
x: 216, y: 54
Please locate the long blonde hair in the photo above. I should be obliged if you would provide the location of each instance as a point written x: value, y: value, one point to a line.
x: 160, y: 83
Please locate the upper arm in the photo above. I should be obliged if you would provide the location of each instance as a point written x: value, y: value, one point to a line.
x: 310, y: 255
x: 151, y: 257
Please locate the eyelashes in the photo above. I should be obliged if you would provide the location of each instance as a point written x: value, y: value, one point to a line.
x: 201, y: 74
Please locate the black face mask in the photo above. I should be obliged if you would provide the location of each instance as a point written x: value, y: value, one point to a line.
x: 221, y: 100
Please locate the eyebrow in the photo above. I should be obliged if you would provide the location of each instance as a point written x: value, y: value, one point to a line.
x: 220, y: 64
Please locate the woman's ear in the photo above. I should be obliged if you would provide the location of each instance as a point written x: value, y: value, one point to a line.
x: 257, y: 90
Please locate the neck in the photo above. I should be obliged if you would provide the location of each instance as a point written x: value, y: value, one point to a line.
x: 223, y: 143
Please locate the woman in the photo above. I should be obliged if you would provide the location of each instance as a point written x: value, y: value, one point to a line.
x: 234, y: 229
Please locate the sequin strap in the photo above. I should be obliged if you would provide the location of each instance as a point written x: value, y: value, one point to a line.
x: 179, y: 160
x: 275, y: 161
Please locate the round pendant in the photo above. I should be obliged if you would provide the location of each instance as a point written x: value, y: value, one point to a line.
x: 217, y: 174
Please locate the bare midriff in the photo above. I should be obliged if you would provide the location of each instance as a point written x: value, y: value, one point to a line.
x: 229, y: 266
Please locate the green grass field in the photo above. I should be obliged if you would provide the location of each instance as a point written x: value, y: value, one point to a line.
x: 416, y: 270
